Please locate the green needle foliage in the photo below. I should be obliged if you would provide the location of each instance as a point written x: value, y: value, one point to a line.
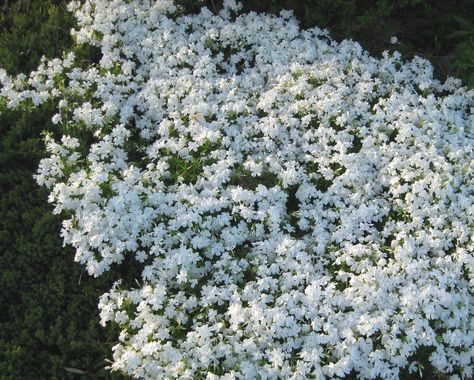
x: 30, y: 29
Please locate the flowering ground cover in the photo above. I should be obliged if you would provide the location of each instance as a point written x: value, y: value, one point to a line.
x: 299, y: 208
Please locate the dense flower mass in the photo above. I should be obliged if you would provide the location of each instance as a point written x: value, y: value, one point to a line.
x: 301, y: 209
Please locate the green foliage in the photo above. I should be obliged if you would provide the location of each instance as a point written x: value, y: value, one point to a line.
x: 30, y: 29
x: 465, y: 49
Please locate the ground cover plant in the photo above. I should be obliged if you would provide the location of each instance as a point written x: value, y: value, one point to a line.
x: 49, y: 324
x: 299, y: 208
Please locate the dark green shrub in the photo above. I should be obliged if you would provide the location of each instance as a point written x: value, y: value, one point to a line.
x: 30, y: 29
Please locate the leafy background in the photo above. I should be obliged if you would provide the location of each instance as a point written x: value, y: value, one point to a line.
x: 49, y: 325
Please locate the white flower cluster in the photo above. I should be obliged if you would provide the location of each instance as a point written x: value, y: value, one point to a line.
x: 301, y: 209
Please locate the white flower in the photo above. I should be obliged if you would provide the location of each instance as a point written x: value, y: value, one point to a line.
x: 300, y: 209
